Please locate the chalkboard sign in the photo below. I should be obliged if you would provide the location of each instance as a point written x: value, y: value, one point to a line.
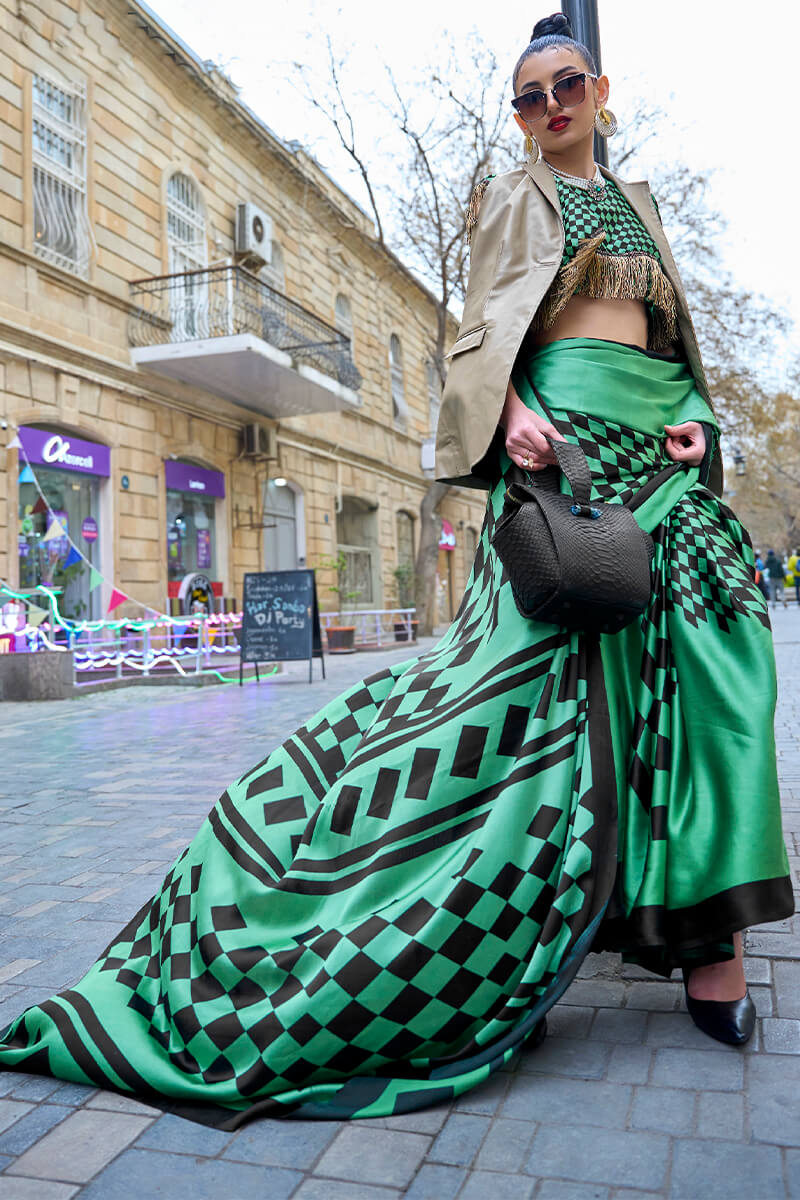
x: 280, y: 619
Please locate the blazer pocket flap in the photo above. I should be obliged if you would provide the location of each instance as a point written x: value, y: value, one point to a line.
x: 467, y: 341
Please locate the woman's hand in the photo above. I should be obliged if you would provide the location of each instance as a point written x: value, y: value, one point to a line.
x: 686, y: 443
x: 527, y: 433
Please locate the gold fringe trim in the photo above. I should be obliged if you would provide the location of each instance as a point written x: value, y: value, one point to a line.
x: 474, y: 206
x: 613, y: 277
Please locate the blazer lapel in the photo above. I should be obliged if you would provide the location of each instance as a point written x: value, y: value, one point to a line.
x: 640, y: 199
x: 542, y: 176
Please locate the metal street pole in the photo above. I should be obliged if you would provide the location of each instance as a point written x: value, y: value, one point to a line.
x: 582, y: 16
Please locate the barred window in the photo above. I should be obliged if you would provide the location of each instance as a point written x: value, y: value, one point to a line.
x: 186, y: 225
x: 60, y: 213
x: 344, y: 318
x: 434, y: 394
x: 399, y: 407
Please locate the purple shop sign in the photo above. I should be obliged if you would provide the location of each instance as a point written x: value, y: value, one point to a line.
x: 62, y: 450
x: 183, y: 477
x: 89, y: 529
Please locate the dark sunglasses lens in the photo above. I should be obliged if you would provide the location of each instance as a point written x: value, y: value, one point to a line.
x: 532, y: 105
x: 570, y: 91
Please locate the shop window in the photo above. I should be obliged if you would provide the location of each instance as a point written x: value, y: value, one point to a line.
x: 357, y: 541
x: 60, y: 214
x: 404, y: 571
x: 68, y: 472
x: 192, y: 492
x: 399, y: 407
x: 434, y: 395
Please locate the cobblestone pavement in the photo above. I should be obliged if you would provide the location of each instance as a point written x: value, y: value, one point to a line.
x: 625, y: 1099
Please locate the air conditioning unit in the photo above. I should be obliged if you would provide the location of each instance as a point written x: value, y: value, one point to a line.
x: 253, y: 241
x: 259, y: 441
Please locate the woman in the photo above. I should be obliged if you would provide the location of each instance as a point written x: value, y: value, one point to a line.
x: 379, y: 915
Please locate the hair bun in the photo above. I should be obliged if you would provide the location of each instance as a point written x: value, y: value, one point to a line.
x: 557, y: 23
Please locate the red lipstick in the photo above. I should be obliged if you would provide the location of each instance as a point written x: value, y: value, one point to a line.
x: 560, y: 122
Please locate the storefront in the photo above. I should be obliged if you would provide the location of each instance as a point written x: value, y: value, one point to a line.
x: 71, y: 474
x: 444, y: 574
x: 193, y: 549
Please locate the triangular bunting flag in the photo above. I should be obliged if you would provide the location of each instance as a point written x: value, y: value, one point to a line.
x: 40, y: 505
x: 56, y: 530
x: 14, y: 444
x: 117, y: 598
x: 36, y: 615
x: 26, y: 475
x: 73, y: 557
x: 95, y: 579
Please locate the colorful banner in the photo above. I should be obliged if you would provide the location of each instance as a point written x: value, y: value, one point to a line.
x: 95, y: 579
x: 117, y: 598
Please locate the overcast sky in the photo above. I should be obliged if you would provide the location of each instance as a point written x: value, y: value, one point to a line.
x: 731, y: 91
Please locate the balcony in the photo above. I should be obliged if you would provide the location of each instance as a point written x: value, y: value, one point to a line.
x: 225, y: 331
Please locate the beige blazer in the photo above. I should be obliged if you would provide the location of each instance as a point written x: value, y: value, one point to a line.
x: 516, y: 250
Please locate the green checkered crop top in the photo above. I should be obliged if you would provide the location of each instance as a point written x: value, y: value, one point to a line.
x: 609, y: 255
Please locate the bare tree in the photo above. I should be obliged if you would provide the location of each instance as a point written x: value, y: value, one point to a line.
x: 444, y: 138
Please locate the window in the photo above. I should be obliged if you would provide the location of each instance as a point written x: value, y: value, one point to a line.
x: 399, y: 408
x: 434, y: 395
x: 60, y: 214
x: 186, y: 225
x: 404, y: 571
x: 357, y: 541
x: 274, y: 273
x: 188, y: 251
x: 344, y: 318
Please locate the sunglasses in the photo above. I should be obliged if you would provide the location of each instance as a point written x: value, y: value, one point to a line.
x: 567, y: 93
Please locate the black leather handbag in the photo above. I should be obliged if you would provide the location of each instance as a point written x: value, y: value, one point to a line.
x: 571, y: 561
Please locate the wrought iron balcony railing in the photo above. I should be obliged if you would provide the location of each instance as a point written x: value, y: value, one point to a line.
x: 225, y: 301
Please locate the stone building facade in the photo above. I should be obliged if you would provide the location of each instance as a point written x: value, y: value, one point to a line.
x: 185, y: 407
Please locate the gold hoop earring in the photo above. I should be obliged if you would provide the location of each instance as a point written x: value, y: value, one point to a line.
x: 532, y: 149
x: 605, y: 122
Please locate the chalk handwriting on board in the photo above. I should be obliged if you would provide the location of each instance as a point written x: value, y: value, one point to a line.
x: 280, y: 618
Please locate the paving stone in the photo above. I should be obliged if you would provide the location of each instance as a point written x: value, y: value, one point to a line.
x: 332, y: 1189
x: 11, y: 1111
x: 31, y: 1127
x: 655, y: 997
x: 116, y: 1102
x: 435, y: 1182
x: 773, y: 1097
x: 459, y: 1140
x: 72, y: 1093
x: 281, y: 1143
x: 720, y: 1115
x: 425, y: 1120
x: 597, y: 993
x: 80, y: 1146
x: 619, y: 1025
x: 568, y: 1056
x: 667, y: 1110
x: 568, y: 1021
x: 35, y: 1087
x: 780, y: 1037
x: 629, y: 1064
x: 762, y: 999
x: 617, y: 1158
x: 15, y: 1188
x: 757, y: 970
x: 555, y: 1100
x: 676, y: 1029
x: 374, y: 1156
x: 147, y: 1173
x: 725, y: 1171
x: 484, y: 1184
x: 773, y: 945
x: 186, y: 1137
x: 718, y: 1070
x: 787, y: 989
x: 557, y: 1189
x: 505, y: 1146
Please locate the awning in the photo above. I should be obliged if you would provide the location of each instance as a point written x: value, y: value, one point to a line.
x: 447, y: 538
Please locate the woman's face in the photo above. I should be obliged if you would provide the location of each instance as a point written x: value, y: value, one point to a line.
x: 559, y: 128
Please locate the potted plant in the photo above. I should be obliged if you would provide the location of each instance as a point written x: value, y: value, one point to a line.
x: 404, y: 575
x: 340, y: 637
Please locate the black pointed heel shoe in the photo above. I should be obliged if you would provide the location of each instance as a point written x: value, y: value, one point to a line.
x: 730, y: 1021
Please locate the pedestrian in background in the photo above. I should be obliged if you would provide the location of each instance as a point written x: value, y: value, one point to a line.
x: 761, y: 576
x: 793, y: 569
x: 776, y: 573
